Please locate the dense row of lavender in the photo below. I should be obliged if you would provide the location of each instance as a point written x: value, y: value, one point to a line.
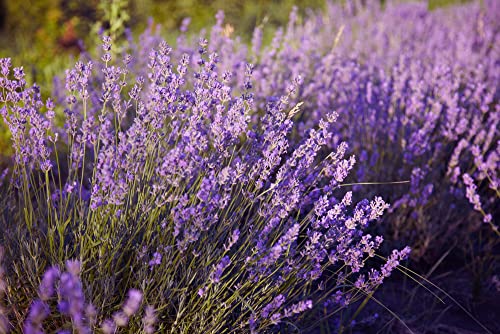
x: 417, y: 93
x: 186, y: 190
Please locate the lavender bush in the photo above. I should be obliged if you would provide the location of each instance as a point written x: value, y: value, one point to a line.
x: 176, y: 189
x: 185, y: 190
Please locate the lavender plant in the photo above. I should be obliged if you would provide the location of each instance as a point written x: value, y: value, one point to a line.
x: 173, y: 187
x: 215, y: 190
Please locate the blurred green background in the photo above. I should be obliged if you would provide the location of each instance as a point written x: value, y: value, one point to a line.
x: 45, y: 36
x: 39, y: 31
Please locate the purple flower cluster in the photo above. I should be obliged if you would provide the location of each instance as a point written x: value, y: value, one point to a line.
x: 30, y: 130
x: 67, y: 288
x: 71, y: 300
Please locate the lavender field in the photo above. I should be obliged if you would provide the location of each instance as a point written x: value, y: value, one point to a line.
x: 342, y: 177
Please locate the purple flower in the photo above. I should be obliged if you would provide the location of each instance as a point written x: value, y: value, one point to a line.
x: 298, y: 308
x: 149, y: 320
x: 219, y: 269
x: 133, y: 302
x: 39, y: 310
x: 274, y: 305
x: 233, y: 240
x: 47, y: 286
x: 156, y: 260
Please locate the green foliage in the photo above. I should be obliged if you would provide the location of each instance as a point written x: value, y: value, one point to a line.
x: 243, y: 16
x: 433, y: 4
x: 115, y: 16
